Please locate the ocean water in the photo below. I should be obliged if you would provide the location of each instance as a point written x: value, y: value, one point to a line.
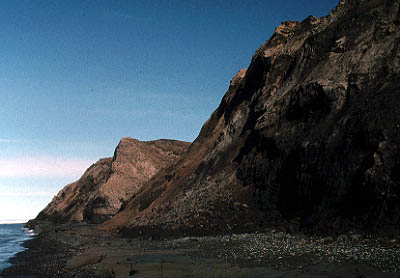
x: 11, y: 238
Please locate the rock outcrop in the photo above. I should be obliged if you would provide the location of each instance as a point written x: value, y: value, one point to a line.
x: 308, y: 134
x: 109, y: 183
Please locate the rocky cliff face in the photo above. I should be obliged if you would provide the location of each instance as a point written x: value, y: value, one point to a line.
x: 110, y: 182
x: 308, y: 134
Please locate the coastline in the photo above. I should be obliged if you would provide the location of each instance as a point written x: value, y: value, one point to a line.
x: 12, y: 239
x: 79, y: 250
x: 44, y: 257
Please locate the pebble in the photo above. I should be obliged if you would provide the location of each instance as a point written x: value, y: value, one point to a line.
x: 280, y: 250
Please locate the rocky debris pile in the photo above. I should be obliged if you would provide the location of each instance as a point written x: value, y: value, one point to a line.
x: 199, y: 211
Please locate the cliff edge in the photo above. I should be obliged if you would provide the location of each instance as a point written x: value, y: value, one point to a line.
x: 307, y: 136
x: 110, y: 182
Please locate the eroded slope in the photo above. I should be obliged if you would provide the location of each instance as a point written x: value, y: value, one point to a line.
x: 309, y: 133
x: 110, y: 182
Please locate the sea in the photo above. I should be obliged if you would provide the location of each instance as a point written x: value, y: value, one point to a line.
x: 12, y: 237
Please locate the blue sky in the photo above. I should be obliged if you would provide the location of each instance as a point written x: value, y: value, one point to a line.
x: 76, y: 76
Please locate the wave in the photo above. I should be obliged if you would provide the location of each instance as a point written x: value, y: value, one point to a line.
x: 29, y: 232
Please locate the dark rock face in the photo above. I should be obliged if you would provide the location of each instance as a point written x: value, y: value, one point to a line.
x: 325, y: 142
x: 310, y: 131
x: 109, y: 183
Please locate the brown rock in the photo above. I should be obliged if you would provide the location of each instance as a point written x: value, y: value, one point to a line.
x: 110, y: 182
x: 309, y: 130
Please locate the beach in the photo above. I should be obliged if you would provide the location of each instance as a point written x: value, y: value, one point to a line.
x: 12, y: 237
x: 80, y: 250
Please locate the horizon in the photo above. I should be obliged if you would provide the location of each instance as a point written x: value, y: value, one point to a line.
x: 78, y: 77
x: 13, y: 221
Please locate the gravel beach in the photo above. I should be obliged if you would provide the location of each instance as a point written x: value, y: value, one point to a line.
x: 83, y: 251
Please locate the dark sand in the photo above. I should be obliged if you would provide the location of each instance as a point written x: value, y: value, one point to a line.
x: 82, y: 251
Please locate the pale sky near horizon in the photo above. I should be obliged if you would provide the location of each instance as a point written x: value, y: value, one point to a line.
x: 76, y: 76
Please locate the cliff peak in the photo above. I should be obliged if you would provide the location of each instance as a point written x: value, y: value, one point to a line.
x: 110, y: 182
x: 308, y: 131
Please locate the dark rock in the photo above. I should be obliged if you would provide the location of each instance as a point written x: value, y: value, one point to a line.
x: 311, y: 130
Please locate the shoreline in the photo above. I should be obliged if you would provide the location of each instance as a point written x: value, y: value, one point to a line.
x: 82, y: 251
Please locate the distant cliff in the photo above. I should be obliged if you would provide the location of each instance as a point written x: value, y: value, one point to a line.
x: 308, y: 135
x: 110, y: 182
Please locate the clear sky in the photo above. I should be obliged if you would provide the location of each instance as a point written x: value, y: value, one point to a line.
x: 76, y: 76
